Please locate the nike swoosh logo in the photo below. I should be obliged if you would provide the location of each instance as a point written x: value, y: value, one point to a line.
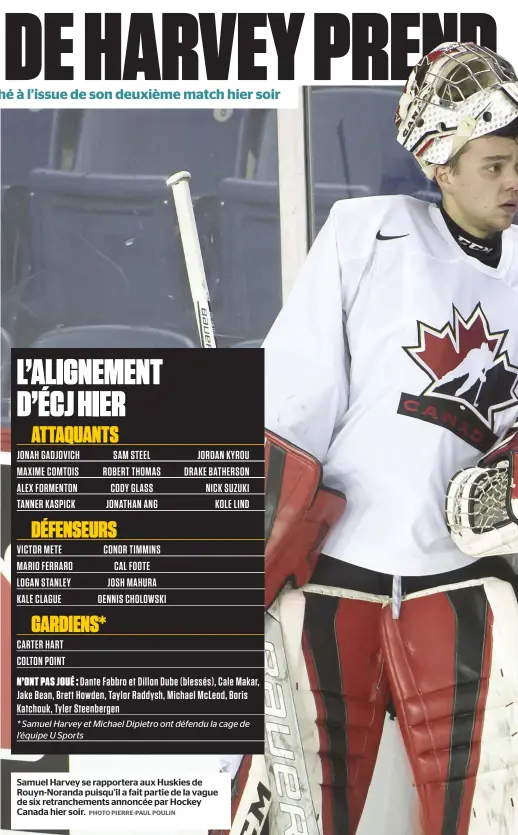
x: 380, y: 237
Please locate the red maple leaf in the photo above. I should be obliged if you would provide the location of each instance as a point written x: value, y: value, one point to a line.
x: 441, y: 351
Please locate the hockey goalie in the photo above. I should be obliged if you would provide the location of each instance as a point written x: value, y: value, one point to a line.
x: 392, y: 484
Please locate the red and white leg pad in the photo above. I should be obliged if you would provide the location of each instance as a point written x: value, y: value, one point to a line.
x: 332, y: 644
x: 452, y: 664
x: 341, y: 696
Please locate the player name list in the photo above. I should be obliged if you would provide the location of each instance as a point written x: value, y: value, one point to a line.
x: 138, y: 571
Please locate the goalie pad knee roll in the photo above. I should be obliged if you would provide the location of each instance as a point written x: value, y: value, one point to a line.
x: 299, y: 514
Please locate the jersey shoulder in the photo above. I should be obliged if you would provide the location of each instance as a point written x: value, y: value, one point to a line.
x: 360, y: 220
x: 512, y: 275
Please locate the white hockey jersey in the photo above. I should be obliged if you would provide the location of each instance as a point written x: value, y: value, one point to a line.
x: 394, y: 361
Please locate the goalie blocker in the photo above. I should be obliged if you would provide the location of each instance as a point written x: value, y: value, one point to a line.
x: 299, y: 514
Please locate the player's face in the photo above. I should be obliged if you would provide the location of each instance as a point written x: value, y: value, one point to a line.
x: 481, y: 195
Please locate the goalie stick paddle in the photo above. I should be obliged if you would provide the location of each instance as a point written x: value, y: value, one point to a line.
x: 276, y: 792
x: 277, y: 783
x: 292, y: 809
x: 179, y: 184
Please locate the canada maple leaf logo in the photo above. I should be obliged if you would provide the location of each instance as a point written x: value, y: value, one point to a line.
x: 465, y: 361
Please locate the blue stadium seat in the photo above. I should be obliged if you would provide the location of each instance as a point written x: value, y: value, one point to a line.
x: 25, y: 140
x: 326, y: 195
x: 25, y: 143
x: 104, y: 246
x: 5, y: 372
x: 111, y: 336
x: 353, y: 139
x: 154, y: 142
x: 355, y: 154
x: 247, y: 297
x: 105, y: 249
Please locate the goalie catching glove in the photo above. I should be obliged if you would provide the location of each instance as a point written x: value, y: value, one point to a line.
x: 482, y: 503
x: 299, y: 514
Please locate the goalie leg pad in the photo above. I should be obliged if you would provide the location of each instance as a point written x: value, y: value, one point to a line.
x: 341, y: 697
x: 452, y: 665
x: 299, y: 514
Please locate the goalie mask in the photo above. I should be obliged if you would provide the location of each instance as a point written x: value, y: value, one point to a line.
x: 455, y: 93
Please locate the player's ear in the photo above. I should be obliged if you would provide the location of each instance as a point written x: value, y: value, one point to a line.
x: 444, y: 177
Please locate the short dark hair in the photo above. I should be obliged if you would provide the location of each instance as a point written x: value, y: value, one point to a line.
x: 510, y: 131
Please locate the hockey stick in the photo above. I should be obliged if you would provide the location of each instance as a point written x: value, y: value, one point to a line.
x: 179, y: 184
x: 277, y: 784
x: 286, y: 795
x: 292, y: 809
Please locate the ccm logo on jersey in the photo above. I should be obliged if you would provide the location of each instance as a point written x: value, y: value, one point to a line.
x: 470, y: 377
x: 472, y: 245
